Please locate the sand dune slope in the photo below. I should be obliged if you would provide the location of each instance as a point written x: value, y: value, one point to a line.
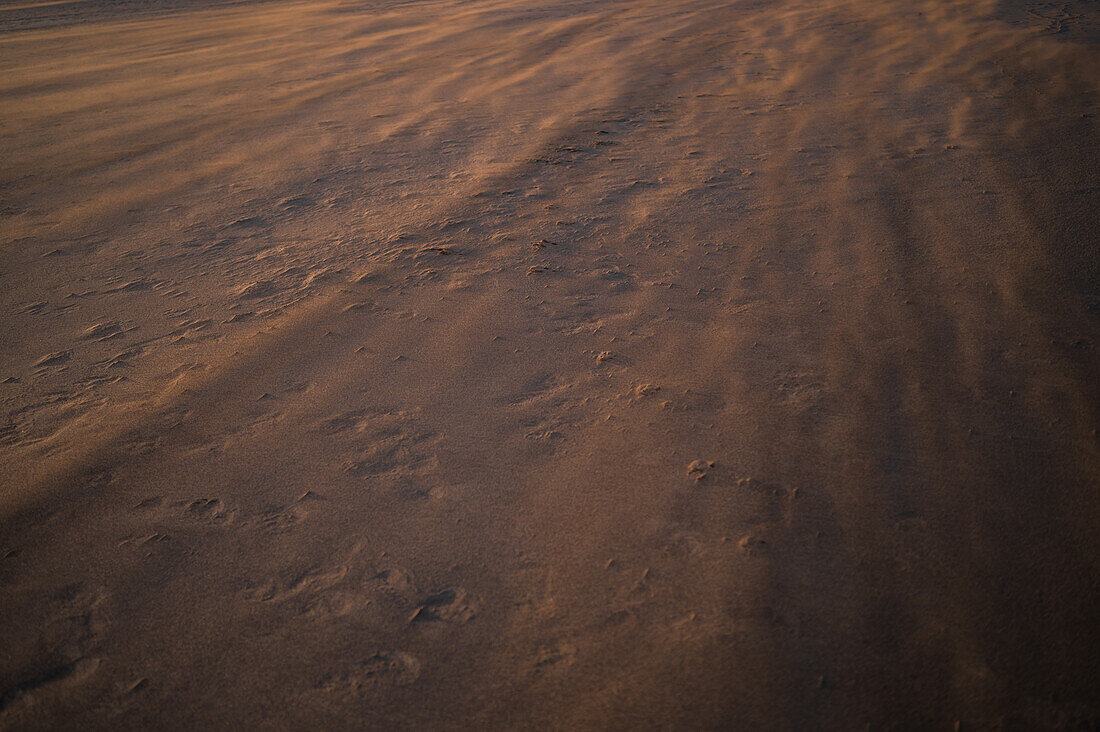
x: 550, y: 365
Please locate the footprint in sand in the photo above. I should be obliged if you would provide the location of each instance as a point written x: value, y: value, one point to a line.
x: 753, y: 544
x: 559, y: 655
x: 278, y: 519
x: 208, y: 511
x: 51, y: 678
x: 773, y: 501
x: 309, y: 583
x: 683, y: 545
x: 72, y: 627
x: 384, y: 444
x: 394, y: 581
x: 382, y: 599
x: 448, y: 606
x: 698, y: 469
x: 378, y: 672
x: 388, y: 595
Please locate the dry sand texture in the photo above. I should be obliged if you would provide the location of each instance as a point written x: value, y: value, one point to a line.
x: 579, y: 364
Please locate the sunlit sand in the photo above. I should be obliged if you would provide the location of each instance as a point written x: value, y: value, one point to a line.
x: 580, y: 364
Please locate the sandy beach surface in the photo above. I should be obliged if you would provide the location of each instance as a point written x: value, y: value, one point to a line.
x: 564, y: 364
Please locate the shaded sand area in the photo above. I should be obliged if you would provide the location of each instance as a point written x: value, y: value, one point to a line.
x: 550, y: 365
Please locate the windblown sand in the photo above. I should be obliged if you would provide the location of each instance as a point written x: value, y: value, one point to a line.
x: 579, y: 364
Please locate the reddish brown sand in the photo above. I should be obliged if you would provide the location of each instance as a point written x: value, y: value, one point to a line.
x: 564, y: 364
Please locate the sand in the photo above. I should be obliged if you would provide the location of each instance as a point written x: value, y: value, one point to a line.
x: 579, y: 364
